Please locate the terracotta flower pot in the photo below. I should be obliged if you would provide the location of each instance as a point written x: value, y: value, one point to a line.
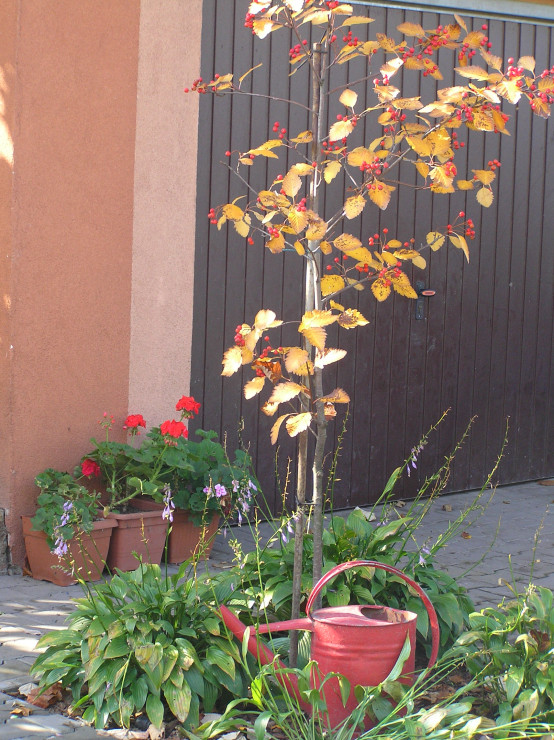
x: 185, y: 539
x: 86, y: 554
x: 140, y: 532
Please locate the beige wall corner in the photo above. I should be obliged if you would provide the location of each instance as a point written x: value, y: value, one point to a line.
x: 69, y: 247
x: 164, y: 207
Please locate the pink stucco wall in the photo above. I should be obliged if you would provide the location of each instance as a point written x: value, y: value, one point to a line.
x: 66, y: 282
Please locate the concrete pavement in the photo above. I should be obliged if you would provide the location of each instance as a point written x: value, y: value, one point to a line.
x: 513, y: 539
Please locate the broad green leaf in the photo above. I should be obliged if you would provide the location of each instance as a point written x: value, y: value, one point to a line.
x: 178, y: 699
x: 117, y: 648
x: 155, y: 710
x: 513, y: 680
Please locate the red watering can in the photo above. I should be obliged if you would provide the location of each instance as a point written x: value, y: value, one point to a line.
x: 362, y: 643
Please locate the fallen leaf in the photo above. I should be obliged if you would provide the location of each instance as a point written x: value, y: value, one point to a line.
x: 49, y: 696
x: 446, y: 507
x: 549, y: 482
x: 466, y: 535
x: 20, y: 711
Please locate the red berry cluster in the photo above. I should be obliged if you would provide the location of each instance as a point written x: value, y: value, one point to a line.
x: 332, y: 4
x: 455, y: 143
x: 301, y: 206
x: 375, y: 167
x: 350, y: 40
x: 282, y: 132
x: 296, y: 51
x: 239, y: 339
x: 493, y: 164
x: 441, y: 37
x: 198, y: 86
x: 430, y: 70
x: 212, y: 216
x: 249, y: 20
x: 330, y: 147
x: 273, y: 232
x: 466, y: 52
x: 470, y: 230
x: 450, y: 169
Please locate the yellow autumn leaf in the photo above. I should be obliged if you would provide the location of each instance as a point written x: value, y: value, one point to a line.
x: 340, y: 130
x: 483, y: 121
x: 298, y: 220
x: 331, y: 170
x: 351, y: 318
x: 484, y: 176
x: 336, y: 305
x: 264, y: 26
x: 291, y: 183
x: 242, y: 228
x: 298, y: 423
x: 407, y: 103
x: 269, y: 409
x: 317, y: 228
x: 253, y: 387
x: 316, y: 336
x: 299, y: 248
x: 460, y: 242
x: 337, y: 396
x: 302, y: 168
x: 380, y: 289
x: 401, y: 284
x: 296, y: 358
x: 232, y: 361
x: 264, y: 319
x: 420, y: 262
x: 328, y: 356
x: 411, y: 29
x: 317, y: 318
x: 347, y: 242
x: 276, y: 427
x: 354, y: 206
x: 460, y: 21
x: 325, y: 247
x: 251, y: 339
x: 527, y: 63
x: 394, y: 244
x: 232, y: 212
x: 391, y: 67
x: 247, y: 355
x: 419, y: 145
x: 485, y: 197
x: 303, y: 138
x: 355, y: 284
x: 284, y: 392
x: 260, y: 152
x: 389, y: 258
x: 276, y: 244
x: 348, y: 98
x: 405, y: 254
x: 356, y: 20
x: 357, y: 156
x: 380, y: 194
x: 423, y: 168
x: 464, y: 184
x: 435, y: 240
x: 509, y: 90
x: 331, y: 284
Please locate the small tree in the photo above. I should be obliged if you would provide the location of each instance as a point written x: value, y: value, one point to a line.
x: 288, y: 214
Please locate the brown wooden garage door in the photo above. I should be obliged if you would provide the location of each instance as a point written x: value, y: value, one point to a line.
x: 485, y: 345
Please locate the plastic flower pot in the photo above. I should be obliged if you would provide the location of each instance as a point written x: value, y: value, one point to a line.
x: 86, y: 556
x: 138, y: 533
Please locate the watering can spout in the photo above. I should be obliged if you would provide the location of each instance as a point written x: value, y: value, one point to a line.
x: 262, y: 653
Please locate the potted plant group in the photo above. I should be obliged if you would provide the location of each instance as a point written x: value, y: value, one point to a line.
x: 168, y: 480
x: 67, y: 538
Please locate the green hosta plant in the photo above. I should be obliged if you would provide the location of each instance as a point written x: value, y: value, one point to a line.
x: 512, y: 647
x: 143, y: 643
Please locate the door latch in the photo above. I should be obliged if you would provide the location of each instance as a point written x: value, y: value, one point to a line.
x: 422, y: 294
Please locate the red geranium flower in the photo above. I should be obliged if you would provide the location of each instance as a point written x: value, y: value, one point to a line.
x: 90, y: 468
x: 174, y: 429
x: 133, y: 421
x: 187, y: 403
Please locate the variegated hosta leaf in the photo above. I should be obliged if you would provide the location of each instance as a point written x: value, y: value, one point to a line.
x: 337, y: 396
x: 298, y: 423
x: 232, y: 361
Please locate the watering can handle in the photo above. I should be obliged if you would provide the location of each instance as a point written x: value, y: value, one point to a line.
x: 433, y: 620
